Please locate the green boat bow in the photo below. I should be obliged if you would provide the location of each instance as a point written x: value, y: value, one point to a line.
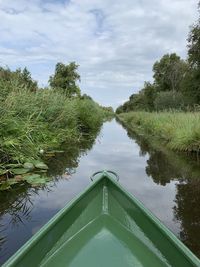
x: 104, y: 226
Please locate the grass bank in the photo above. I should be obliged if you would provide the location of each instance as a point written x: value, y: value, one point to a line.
x: 177, y: 130
x: 36, y: 123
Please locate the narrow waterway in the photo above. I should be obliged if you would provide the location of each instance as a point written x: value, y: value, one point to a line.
x: 168, y: 185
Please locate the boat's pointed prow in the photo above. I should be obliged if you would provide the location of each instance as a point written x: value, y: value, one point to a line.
x: 104, y: 226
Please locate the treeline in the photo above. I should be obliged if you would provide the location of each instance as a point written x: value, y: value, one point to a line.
x: 36, y: 120
x: 176, y: 82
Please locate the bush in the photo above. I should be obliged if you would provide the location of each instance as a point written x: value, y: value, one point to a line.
x: 169, y: 100
x: 90, y: 115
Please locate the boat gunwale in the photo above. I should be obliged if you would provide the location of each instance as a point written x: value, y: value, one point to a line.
x: 52, y: 222
x: 193, y: 259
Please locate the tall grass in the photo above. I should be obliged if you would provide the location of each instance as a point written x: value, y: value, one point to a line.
x: 178, y: 130
x: 31, y: 122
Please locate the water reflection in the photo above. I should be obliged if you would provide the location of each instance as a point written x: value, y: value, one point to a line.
x: 18, y: 216
x: 163, y: 166
x: 167, y: 183
x: 187, y: 211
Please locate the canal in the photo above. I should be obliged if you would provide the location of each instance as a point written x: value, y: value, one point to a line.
x: 168, y: 184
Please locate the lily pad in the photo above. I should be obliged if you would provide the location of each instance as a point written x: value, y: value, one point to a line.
x: 36, y: 179
x: 4, y: 186
x: 31, y: 177
x: 41, y: 165
x: 40, y: 171
x: 28, y: 165
x: 12, y: 181
x: 19, y: 171
x: 14, y: 165
x: 34, y: 161
x: 48, y: 179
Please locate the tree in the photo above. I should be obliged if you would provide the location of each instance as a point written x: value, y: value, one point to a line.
x: 169, y: 72
x: 25, y: 79
x: 65, y: 79
x: 192, y: 87
x: 149, y: 92
x: 85, y: 96
x: 194, y: 44
x: 169, y: 100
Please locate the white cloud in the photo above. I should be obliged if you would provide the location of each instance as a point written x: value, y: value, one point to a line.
x: 115, y: 42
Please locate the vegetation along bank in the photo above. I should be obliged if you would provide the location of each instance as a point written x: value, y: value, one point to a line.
x: 36, y: 121
x: 168, y: 108
x: 177, y: 130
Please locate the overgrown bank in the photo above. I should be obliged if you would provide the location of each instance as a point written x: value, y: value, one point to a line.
x: 177, y: 130
x: 36, y: 122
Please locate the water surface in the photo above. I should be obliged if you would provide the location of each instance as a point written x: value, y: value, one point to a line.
x: 168, y: 184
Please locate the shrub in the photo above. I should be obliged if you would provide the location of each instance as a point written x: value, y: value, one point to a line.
x: 169, y: 100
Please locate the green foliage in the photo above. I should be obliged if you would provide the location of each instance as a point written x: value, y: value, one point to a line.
x: 14, y: 81
x: 194, y: 46
x: 192, y: 81
x: 108, y: 112
x: 65, y: 79
x: 24, y: 77
x: 179, y: 131
x: 149, y: 92
x: 32, y: 121
x: 85, y: 96
x: 89, y: 115
x: 169, y: 72
x: 174, y: 87
x: 169, y: 100
x: 178, y: 78
x: 144, y: 100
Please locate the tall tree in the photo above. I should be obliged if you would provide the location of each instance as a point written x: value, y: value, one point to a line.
x: 169, y: 72
x: 65, y: 79
x: 192, y: 87
x: 194, y: 44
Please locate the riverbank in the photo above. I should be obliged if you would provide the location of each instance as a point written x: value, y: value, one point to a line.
x: 166, y: 189
x: 179, y: 131
x: 35, y: 123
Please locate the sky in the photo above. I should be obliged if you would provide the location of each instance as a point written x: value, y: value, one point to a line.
x: 114, y: 42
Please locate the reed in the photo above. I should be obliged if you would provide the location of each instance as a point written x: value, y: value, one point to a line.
x: 41, y: 121
x: 180, y: 131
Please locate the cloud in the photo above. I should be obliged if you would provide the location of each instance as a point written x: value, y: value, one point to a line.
x: 115, y: 42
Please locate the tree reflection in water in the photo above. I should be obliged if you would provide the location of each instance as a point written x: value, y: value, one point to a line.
x: 163, y: 166
x: 187, y: 210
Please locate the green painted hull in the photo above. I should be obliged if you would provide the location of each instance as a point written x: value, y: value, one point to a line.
x: 104, y: 226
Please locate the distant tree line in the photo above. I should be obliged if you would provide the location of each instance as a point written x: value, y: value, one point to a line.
x: 176, y: 82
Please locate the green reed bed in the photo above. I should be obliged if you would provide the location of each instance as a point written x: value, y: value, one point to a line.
x: 178, y: 130
x: 35, y: 124
x: 32, y: 122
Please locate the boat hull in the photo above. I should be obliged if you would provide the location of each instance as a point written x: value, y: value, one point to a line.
x: 104, y: 226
